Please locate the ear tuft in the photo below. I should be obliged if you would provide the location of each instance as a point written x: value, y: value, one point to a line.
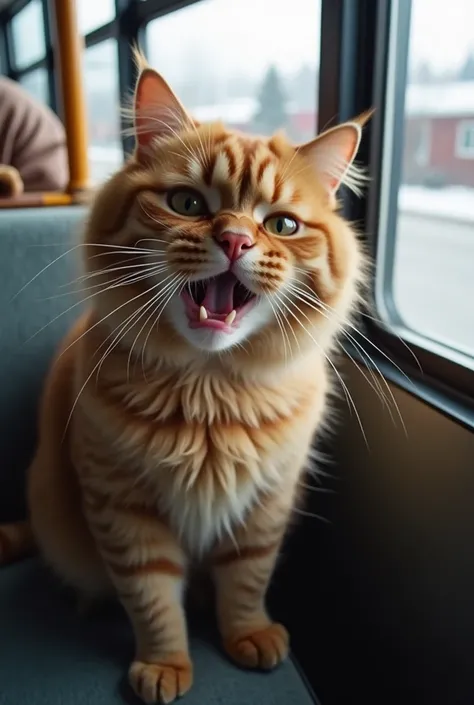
x: 332, y: 155
x: 139, y: 59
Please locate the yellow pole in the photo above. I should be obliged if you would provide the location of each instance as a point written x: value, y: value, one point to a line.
x: 68, y: 64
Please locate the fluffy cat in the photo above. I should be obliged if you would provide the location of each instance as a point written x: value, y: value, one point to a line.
x: 179, y: 413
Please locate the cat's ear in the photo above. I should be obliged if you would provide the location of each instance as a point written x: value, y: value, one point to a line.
x: 158, y: 113
x: 332, y: 155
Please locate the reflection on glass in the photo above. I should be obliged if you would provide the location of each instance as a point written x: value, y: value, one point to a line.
x: 101, y: 81
x: 256, y: 70
x: 28, y: 34
x: 434, y: 262
x: 36, y: 83
x: 92, y: 14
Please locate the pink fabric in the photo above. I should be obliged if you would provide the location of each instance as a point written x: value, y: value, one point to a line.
x: 32, y: 139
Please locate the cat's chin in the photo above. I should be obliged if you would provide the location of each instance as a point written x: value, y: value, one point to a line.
x: 213, y: 334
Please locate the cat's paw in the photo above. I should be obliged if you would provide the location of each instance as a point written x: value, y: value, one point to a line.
x: 264, y: 649
x: 11, y: 183
x: 161, y: 682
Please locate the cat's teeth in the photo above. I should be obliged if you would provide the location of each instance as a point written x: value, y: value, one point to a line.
x: 203, y: 314
x: 231, y: 317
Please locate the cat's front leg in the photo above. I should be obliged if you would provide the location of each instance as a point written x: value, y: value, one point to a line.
x: 147, y: 567
x: 242, y: 568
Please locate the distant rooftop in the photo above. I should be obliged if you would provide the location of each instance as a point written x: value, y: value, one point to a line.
x: 441, y: 100
x: 235, y: 112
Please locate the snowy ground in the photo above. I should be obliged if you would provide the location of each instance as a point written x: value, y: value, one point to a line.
x: 453, y: 203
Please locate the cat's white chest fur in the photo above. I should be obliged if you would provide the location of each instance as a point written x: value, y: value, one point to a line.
x: 200, y: 517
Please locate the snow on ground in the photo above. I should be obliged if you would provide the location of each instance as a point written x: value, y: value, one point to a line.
x: 453, y: 203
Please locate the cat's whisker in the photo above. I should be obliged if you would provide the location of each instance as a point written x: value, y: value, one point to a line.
x: 111, y: 313
x: 70, y: 308
x: 376, y: 320
x: 108, y: 270
x: 170, y: 284
x: 301, y: 170
x: 153, y: 218
x: 176, y: 134
x: 312, y: 488
x: 124, y: 280
x: 286, y: 167
x: 125, y: 326
x: 376, y: 386
x: 284, y: 335
x: 88, y: 378
x: 125, y: 249
x: 347, y: 394
x: 311, y: 515
x: 87, y: 275
x: 381, y: 352
x: 178, y: 285
x: 317, y: 305
x: 202, y: 152
x: 44, y: 269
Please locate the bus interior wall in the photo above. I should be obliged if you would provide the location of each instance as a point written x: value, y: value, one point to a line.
x: 379, y: 599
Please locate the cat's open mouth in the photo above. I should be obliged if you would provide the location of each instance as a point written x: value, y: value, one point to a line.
x: 217, y: 303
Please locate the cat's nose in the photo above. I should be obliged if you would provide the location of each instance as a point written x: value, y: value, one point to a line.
x: 234, y: 244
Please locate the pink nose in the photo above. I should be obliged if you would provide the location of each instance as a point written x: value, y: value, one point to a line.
x: 234, y: 244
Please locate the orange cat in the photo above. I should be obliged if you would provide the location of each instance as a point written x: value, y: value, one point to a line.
x: 178, y: 416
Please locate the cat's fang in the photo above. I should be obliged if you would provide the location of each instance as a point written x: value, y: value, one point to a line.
x: 203, y: 314
x: 231, y: 317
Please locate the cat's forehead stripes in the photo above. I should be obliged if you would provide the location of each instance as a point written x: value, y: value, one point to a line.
x: 245, y: 170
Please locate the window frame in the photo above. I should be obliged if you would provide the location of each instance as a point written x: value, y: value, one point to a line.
x: 46, y: 62
x: 360, y: 76
x: 461, y: 152
x: 358, y: 59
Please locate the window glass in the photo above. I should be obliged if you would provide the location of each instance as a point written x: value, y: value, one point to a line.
x: 92, y: 14
x: 36, y: 83
x: 28, y: 34
x: 101, y: 80
x: 256, y: 70
x: 433, y: 283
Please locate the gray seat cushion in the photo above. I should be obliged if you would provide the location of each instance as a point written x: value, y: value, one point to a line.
x: 34, y: 316
x: 48, y: 654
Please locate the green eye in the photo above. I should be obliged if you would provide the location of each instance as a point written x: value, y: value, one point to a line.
x: 188, y: 203
x: 281, y: 225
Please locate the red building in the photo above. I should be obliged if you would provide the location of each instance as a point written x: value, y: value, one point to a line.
x: 439, y: 134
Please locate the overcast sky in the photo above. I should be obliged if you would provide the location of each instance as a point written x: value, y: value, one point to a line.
x: 245, y: 36
x: 442, y: 32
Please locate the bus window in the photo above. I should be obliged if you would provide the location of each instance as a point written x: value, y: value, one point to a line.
x: 28, y: 35
x: 266, y: 80
x: 101, y: 84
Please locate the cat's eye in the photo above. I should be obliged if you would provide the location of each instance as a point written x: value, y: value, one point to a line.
x: 188, y: 203
x: 281, y: 225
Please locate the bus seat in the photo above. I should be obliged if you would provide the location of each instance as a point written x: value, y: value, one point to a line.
x: 49, y: 655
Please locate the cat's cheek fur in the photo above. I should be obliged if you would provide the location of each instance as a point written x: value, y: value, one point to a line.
x: 215, y: 340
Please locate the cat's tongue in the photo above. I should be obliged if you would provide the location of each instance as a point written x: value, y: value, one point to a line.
x: 219, y: 297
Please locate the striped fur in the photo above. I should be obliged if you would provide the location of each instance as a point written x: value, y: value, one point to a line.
x: 161, y: 449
